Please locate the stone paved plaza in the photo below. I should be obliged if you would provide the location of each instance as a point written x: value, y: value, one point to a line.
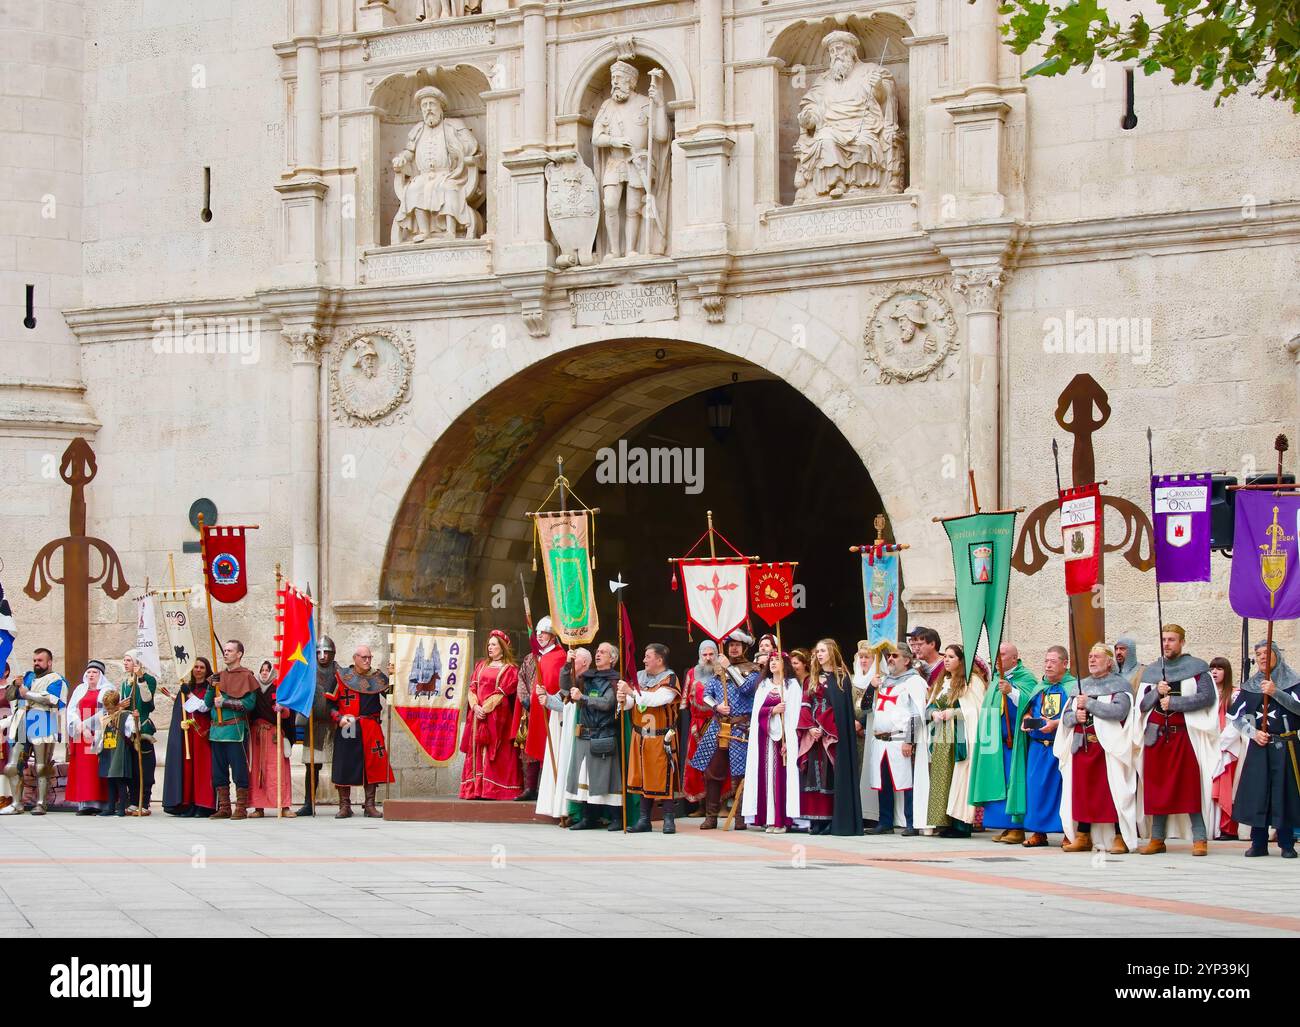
x: 164, y: 877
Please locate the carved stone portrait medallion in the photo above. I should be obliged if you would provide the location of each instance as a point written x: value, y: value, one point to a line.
x: 371, y: 375
x: 910, y: 334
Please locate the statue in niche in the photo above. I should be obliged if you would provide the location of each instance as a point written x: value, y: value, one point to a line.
x: 432, y: 10
x: 631, y: 137
x: 850, y: 143
x: 437, y: 177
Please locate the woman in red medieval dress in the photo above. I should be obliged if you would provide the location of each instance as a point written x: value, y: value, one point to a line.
x: 491, y: 762
x: 85, y: 787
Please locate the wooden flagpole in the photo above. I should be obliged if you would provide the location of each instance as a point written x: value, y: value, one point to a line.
x: 279, y: 655
x: 212, y: 631
x: 180, y: 693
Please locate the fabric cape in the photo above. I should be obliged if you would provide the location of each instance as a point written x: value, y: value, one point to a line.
x: 1202, y: 731
x: 989, y: 781
x: 1116, y: 738
x: 790, y: 720
x: 916, y: 689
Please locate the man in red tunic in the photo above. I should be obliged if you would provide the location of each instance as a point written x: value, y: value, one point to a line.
x: 360, y: 754
x: 539, y: 676
x: 1180, y: 743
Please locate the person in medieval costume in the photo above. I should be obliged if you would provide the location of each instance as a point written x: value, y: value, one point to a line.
x: 929, y: 655
x: 595, y: 776
x: 1179, y: 746
x: 626, y: 122
x: 1268, y: 783
x: 491, y: 768
x: 771, y: 795
x: 113, y: 724
x: 697, y: 679
x: 1126, y: 656
x: 138, y: 691
x: 85, y: 787
x: 317, y: 736
x: 1038, y: 800
x: 230, y: 701
x: 996, y: 744
x: 1232, y: 748
x: 8, y: 696
x: 552, y: 798
x: 817, y: 742
x: 722, y: 748
x: 270, y: 775
x: 35, y: 723
x: 655, y: 753
x: 360, y: 751
x: 898, y: 758
x: 539, y: 677
x: 953, y: 706
x: 187, y: 780
x: 829, y: 675
x: 438, y: 175
x: 1094, y: 749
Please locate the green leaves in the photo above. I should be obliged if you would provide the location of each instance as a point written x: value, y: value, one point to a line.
x: 1221, y: 46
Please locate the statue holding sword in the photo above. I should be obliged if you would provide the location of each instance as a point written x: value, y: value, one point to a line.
x: 631, y: 137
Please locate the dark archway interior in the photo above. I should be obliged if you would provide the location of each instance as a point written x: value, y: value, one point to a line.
x: 783, y: 484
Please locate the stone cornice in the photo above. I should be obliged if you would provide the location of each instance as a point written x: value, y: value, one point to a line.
x: 45, y: 408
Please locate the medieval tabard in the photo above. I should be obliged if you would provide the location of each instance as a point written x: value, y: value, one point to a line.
x: 360, y: 754
x: 898, y: 715
x: 1178, y: 748
x: 1098, y: 765
x: 1268, y: 784
x: 653, y: 759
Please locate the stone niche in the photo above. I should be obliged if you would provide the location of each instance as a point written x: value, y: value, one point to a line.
x: 397, y: 113
x: 597, y: 91
x: 800, y: 47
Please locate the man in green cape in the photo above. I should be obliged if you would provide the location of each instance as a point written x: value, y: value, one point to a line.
x: 998, y: 771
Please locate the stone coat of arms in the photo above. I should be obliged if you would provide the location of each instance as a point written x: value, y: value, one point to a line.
x: 572, y: 208
x: 910, y: 334
x: 371, y: 376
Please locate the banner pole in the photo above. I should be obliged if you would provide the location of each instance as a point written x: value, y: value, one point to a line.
x: 279, y: 649
x: 212, y: 631
x: 1069, y: 604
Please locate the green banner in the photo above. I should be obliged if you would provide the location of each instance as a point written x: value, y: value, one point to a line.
x: 981, y: 560
x: 566, y: 560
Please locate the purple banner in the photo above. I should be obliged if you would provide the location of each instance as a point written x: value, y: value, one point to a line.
x: 1265, y: 581
x: 1180, y: 514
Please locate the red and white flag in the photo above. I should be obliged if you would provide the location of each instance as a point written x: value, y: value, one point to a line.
x: 717, y: 594
x: 1081, y: 537
x: 225, y: 563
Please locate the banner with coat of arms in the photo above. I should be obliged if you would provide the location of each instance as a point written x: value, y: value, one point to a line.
x: 981, y: 557
x: 1180, y: 514
x: 880, y: 591
x: 430, y: 667
x: 1264, y: 582
x: 1081, y: 537
x: 564, y: 538
x: 225, y: 563
x: 771, y: 590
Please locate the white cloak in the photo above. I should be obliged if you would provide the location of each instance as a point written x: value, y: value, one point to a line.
x: 789, y: 729
x: 551, y: 801
x: 1116, y: 737
x: 913, y: 772
x: 1203, y: 732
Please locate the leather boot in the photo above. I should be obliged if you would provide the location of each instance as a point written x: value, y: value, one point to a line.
x: 1000, y: 836
x: 1200, y: 848
x: 42, y: 790
x: 308, y: 808
x: 670, y: 817
x: 223, y: 804
x: 370, y: 809
x: 345, y: 803
x: 588, y: 821
x: 1118, y: 847
x: 1035, y: 841
x: 1082, y: 843
x: 1014, y: 837
x: 642, y: 824
x: 615, y: 818
x: 241, y: 804
x: 1152, y: 848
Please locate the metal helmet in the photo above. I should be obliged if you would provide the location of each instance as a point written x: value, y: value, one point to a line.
x: 325, y: 649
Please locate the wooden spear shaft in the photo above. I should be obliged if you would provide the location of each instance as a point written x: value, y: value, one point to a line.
x: 279, y: 649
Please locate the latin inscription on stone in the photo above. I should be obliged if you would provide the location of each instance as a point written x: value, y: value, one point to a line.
x: 437, y: 262
x: 623, y: 304
x: 861, y: 221
x: 433, y: 40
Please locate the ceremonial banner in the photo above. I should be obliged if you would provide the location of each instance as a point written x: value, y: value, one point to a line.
x: 176, y: 619
x: 981, y: 557
x: 224, y: 563
x: 431, y: 714
x: 716, y: 595
x: 1081, y: 537
x: 566, y: 559
x: 146, y: 636
x: 771, y: 590
x: 1265, y: 584
x: 880, y: 593
x: 1180, y: 513
x: 296, y: 674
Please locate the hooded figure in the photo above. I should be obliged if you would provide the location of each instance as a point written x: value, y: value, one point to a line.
x: 317, y: 735
x: 1268, y: 785
x: 704, y: 671
x: 1129, y: 668
x: 85, y: 787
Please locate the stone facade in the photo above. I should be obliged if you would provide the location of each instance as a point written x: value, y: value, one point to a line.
x: 222, y: 170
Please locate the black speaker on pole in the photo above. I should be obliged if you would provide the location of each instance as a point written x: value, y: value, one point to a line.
x: 1223, y: 508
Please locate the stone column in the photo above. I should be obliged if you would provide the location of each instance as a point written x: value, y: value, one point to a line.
x: 535, y: 121
x: 302, y: 199
x: 706, y: 149
x: 711, y: 79
x: 979, y: 118
x: 982, y: 43
x: 981, y: 288
x: 305, y: 345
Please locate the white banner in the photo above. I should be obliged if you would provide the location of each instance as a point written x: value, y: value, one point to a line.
x: 717, y: 596
x: 180, y: 639
x: 146, y: 636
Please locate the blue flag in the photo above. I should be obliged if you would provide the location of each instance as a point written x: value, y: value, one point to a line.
x: 7, y: 628
x: 296, y: 675
x: 880, y: 592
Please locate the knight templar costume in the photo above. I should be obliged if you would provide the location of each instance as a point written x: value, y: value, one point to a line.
x: 722, y: 749
x: 360, y: 752
x: 898, y: 757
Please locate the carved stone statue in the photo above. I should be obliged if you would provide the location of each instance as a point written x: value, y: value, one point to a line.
x: 431, y: 10
x: 437, y: 177
x: 631, y: 138
x: 850, y: 144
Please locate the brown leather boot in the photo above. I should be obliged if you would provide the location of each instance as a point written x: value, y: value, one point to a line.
x: 1082, y: 843
x: 345, y: 803
x: 241, y: 804
x: 1035, y: 841
x: 1001, y: 836
x: 1014, y: 837
x: 1118, y: 847
x: 1200, y: 848
x: 223, y: 804
x: 370, y: 809
x: 1152, y: 848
